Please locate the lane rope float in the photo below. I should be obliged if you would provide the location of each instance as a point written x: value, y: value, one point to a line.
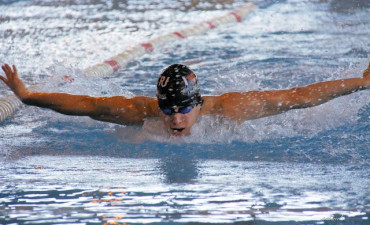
x: 121, y: 60
x: 11, y: 103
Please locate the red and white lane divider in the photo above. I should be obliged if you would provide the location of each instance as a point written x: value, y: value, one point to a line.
x: 10, y: 103
x: 121, y: 60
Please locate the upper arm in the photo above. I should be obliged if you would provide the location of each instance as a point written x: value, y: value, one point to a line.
x: 128, y: 111
x: 237, y: 106
x: 241, y: 106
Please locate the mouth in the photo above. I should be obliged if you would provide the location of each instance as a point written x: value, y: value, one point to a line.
x: 177, y: 131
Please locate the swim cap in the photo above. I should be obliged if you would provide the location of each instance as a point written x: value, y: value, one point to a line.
x: 177, y: 87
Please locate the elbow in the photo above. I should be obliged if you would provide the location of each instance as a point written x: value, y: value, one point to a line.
x: 29, y: 101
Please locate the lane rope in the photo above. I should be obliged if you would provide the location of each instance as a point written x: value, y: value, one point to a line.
x: 121, y: 60
x: 11, y: 103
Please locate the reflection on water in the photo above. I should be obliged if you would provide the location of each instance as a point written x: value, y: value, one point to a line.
x: 42, y: 188
x: 179, y: 169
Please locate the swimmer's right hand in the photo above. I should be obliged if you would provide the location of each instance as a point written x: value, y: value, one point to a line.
x: 13, y: 82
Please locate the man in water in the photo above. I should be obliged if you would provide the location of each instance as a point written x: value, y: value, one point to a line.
x: 179, y: 102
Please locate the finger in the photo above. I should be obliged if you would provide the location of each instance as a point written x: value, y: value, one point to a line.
x: 6, y: 69
x: 7, y: 66
x: 4, y: 80
x: 15, y: 70
x: 3, y: 67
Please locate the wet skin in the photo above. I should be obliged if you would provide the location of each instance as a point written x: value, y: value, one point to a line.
x: 236, y: 106
x: 180, y: 124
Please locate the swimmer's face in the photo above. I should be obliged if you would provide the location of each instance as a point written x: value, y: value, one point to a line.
x: 178, y: 123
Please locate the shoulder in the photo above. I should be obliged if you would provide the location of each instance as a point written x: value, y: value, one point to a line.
x: 121, y: 100
x: 211, y: 104
x: 238, y: 106
x: 216, y: 102
x: 134, y: 104
x: 128, y: 111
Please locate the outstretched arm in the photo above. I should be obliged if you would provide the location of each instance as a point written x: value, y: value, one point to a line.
x: 316, y: 94
x: 118, y: 109
x: 256, y: 104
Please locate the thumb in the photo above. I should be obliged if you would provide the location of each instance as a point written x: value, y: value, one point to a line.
x: 367, y: 72
x: 4, y: 80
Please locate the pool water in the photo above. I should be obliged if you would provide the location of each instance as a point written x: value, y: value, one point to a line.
x: 308, y: 166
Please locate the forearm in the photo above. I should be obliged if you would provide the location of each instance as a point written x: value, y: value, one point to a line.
x: 63, y: 103
x: 322, y: 92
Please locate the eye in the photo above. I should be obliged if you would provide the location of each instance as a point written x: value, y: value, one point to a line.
x: 185, y: 110
x: 167, y: 111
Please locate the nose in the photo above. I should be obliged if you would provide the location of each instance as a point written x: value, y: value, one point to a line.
x: 177, y: 118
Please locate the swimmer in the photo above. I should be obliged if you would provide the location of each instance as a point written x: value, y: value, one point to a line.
x: 179, y: 102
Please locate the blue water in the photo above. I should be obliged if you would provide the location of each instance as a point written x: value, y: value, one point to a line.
x: 307, y: 166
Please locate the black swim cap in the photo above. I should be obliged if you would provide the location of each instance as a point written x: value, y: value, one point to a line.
x: 177, y: 87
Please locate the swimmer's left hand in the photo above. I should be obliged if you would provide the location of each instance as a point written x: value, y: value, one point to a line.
x: 366, y: 76
x: 13, y: 82
x: 367, y: 72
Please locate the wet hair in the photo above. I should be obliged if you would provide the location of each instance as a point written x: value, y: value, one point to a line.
x: 177, y: 87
